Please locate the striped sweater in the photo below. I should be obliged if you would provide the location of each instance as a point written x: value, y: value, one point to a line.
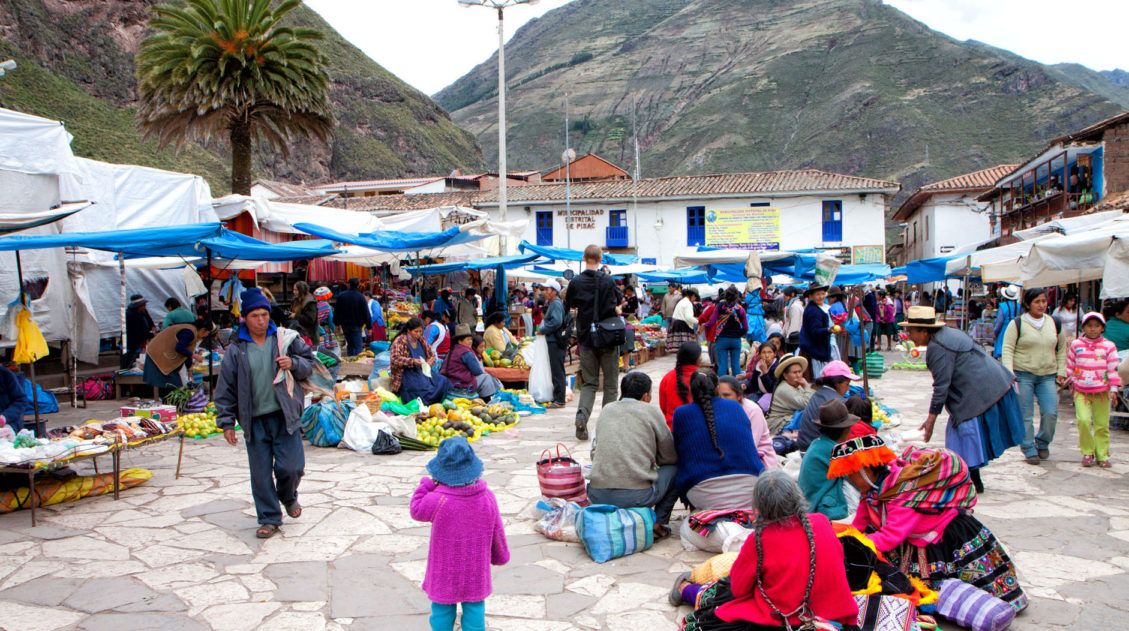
x: 1091, y: 365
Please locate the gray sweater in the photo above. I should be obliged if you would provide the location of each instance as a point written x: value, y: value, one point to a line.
x: 631, y: 442
x: 965, y: 379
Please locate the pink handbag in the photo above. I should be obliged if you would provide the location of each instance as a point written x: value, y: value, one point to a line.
x: 561, y: 476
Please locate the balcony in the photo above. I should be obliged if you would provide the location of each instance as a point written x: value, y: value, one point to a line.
x: 617, y: 236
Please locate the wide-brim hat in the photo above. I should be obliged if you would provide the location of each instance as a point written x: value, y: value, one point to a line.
x: 789, y: 360
x: 836, y: 291
x: 812, y: 288
x: 136, y: 300
x: 920, y: 317
x: 456, y: 464
x: 835, y: 415
x: 859, y: 453
x: 462, y: 330
x: 1010, y: 292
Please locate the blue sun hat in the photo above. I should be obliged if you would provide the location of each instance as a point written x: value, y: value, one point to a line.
x: 456, y: 463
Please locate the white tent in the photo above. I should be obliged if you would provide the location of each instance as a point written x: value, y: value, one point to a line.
x: 279, y: 217
x: 1071, y: 225
x: 995, y: 264
x: 1097, y: 254
x: 750, y: 258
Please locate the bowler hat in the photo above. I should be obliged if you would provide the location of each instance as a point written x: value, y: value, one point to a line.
x: 834, y: 415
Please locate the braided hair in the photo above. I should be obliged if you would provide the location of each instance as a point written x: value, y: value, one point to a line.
x: 689, y: 354
x: 702, y: 389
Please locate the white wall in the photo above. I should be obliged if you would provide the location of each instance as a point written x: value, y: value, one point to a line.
x: 800, y: 219
x: 953, y: 224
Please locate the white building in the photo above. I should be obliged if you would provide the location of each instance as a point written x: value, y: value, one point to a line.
x: 660, y: 218
x: 944, y: 217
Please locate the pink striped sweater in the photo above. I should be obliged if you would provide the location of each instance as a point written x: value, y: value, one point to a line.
x: 1091, y: 365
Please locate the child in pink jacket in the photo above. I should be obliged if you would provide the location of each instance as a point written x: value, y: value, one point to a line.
x: 466, y: 536
x: 1091, y: 369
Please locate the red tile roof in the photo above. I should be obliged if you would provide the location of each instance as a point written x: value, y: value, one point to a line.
x: 386, y: 184
x: 684, y: 186
x: 975, y: 182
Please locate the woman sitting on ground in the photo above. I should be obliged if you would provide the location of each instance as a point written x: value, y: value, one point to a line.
x: 730, y: 388
x: 916, y: 510
x: 463, y: 367
x: 497, y: 336
x: 674, y: 389
x: 760, y: 379
x: 409, y: 354
x: 718, y: 462
x: 825, y: 495
x: 789, y: 571
x: 791, y: 393
x: 834, y: 384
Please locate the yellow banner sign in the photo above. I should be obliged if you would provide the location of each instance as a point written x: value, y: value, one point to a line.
x: 753, y: 228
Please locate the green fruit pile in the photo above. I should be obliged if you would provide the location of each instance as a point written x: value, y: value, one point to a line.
x: 199, y: 425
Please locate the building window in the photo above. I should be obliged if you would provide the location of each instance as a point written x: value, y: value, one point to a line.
x: 760, y: 204
x: 926, y: 227
x: 617, y: 218
x: 696, y: 225
x: 545, y: 227
x: 832, y: 220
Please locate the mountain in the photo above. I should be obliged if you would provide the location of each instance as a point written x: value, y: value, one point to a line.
x: 76, y: 64
x: 1100, y: 83
x: 731, y: 85
x: 1117, y: 75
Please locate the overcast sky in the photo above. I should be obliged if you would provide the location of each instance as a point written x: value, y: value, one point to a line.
x: 431, y: 43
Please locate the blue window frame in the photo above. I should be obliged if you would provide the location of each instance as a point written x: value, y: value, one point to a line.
x: 696, y: 225
x: 832, y: 220
x: 545, y: 227
x: 617, y: 218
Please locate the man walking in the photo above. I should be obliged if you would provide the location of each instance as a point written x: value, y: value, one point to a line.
x: 670, y: 301
x: 465, y: 310
x: 353, y: 315
x: 553, y: 328
x: 258, y: 387
x: 594, y: 296
x: 793, y: 319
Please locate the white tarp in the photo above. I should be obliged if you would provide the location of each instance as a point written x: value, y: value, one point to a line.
x: 280, y: 217
x: 995, y: 264
x: 1098, y: 254
x: 34, y: 145
x: 1071, y: 225
x: 750, y: 258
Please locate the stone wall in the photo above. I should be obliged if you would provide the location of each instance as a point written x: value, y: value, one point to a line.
x: 1116, y: 159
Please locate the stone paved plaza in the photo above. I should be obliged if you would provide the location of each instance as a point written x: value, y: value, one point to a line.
x: 175, y: 555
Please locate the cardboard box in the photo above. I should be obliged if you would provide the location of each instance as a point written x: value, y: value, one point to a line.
x: 162, y: 413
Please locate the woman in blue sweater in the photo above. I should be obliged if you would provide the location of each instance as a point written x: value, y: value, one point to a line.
x: 717, y: 458
x: 815, y: 330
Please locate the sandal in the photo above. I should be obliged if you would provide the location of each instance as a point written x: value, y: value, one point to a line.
x: 294, y: 510
x: 266, y: 531
x: 1105, y: 464
x: 661, y: 531
x: 1087, y: 461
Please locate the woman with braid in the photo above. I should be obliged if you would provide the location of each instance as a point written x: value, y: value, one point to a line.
x: 718, y: 463
x: 674, y: 389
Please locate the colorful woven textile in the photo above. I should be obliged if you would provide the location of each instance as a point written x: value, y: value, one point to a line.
x: 930, y: 480
x: 857, y: 453
x: 702, y: 522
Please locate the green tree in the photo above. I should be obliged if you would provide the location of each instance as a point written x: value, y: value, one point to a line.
x: 215, y: 67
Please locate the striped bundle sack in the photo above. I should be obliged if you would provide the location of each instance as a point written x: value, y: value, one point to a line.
x: 561, y: 476
x: 974, y: 608
x: 608, y: 532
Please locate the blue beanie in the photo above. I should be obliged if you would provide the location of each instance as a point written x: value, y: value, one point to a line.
x: 456, y: 464
x: 253, y: 299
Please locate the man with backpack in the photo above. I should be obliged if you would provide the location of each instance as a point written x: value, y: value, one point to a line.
x: 594, y: 296
x: 555, y: 327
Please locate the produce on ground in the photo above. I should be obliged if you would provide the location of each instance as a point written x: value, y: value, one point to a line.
x: 199, y: 425
x: 460, y: 417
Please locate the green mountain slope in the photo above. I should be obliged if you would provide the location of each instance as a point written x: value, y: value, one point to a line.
x: 76, y: 64
x: 1099, y: 83
x: 730, y: 85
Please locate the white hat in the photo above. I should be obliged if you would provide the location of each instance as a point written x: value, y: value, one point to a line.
x: 1011, y: 292
x: 552, y: 284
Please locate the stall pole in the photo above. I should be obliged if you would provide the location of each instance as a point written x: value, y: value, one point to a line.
x: 967, y: 294
x: 39, y: 430
x: 211, y: 360
x: 122, y: 296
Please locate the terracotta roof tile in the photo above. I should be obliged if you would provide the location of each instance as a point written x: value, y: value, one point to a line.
x: 975, y: 182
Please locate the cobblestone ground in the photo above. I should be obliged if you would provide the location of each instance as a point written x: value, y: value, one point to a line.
x: 182, y: 554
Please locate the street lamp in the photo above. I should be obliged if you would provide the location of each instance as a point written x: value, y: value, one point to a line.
x: 500, y: 6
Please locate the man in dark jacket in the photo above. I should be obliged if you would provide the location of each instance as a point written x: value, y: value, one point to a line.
x: 552, y: 327
x: 269, y: 410
x: 815, y: 331
x: 139, y: 329
x: 870, y: 304
x: 594, y: 296
x: 353, y: 315
x: 13, y: 402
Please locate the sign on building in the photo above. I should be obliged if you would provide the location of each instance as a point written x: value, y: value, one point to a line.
x: 863, y: 254
x: 754, y: 228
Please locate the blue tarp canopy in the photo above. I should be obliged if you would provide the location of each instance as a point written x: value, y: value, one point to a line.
x: 928, y: 270
x: 163, y: 241
x: 505, y: 262
x: 688, y: 276
x: 562, y: 254
x: 393, y: 240
x: 899, y: 271
x: 239, y: 247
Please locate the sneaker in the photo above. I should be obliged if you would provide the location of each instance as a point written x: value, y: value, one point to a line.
x: 1044, y: 453
x: 1105, y: 464
x: 1034, y: 459
x: 1087, y: 461
x: 581, y: 430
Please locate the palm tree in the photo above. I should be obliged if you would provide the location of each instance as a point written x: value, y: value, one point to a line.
x: 227, y: 66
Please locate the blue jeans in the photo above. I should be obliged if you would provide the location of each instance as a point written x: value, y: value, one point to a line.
x: 354, y: 342
x: 1041, y: 388
x: 728, y: 351
x: 661, y: 496
x: 277, y: 460
x: 474, y: 616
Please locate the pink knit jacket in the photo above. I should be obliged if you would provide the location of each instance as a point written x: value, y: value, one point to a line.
x: 466, y: 538
x: 1091, y: 365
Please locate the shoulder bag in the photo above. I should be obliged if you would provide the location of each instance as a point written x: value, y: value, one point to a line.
x: 609, y: 332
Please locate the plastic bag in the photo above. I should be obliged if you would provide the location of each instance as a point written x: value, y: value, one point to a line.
x: 30, y: 343
x: 400, y: 425
x: 402, y: 409
x: 360, y: 430
x: 558, y: 521
x: 540, y: 373
x: 386, y: 444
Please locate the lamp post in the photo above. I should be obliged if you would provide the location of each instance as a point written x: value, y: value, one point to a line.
x: 500, y: 6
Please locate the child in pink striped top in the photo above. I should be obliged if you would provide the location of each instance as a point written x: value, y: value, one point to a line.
x: 1091, y: 369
